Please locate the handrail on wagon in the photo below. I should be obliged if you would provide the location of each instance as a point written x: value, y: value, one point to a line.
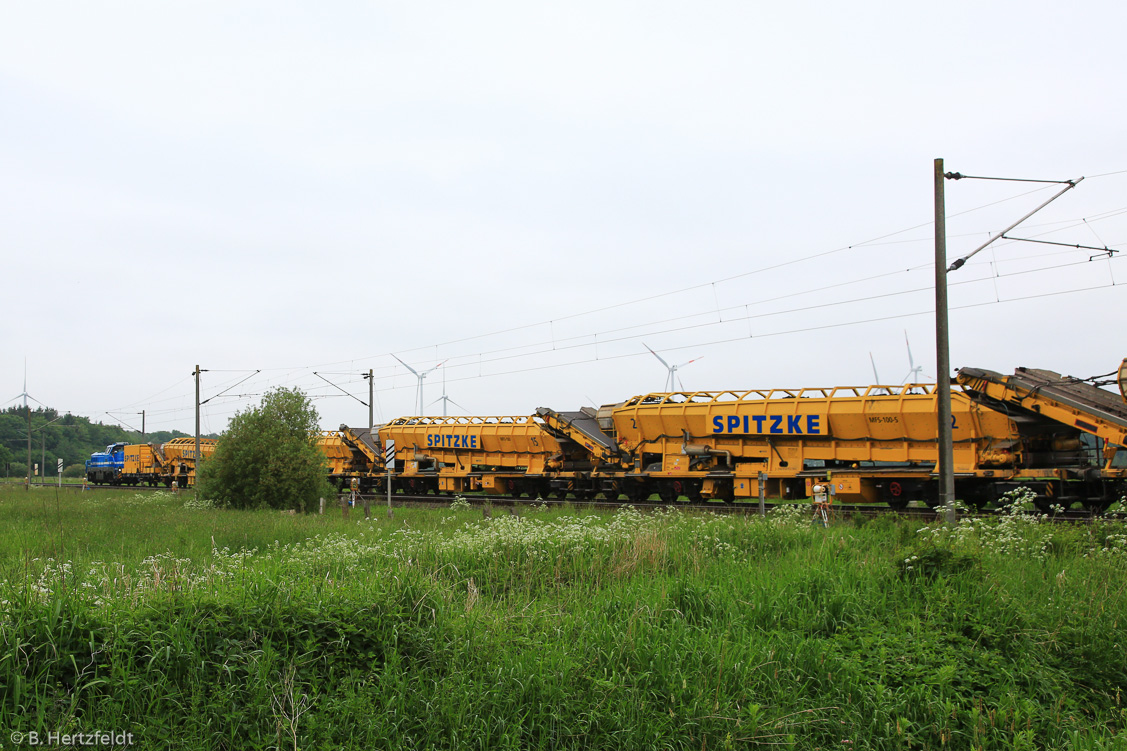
x: 464, y: 420
x: 710, y: 397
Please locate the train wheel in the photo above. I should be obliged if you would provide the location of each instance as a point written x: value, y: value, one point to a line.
x: 1096, y: 505
x: 895, y: 496
x: 927, y: 491
x: 977, y: 495
x: 896, y: 493
x: 636, y: 492
x: 669, y: 491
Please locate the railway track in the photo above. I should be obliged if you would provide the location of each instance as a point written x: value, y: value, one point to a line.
x: 509, y: 504
x: 77, y: 487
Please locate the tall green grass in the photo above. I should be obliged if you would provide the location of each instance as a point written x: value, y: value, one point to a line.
x: 556, y: 629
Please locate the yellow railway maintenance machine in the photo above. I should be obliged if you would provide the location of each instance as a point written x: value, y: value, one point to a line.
x: 870, y: 444
x: 496, y: 455
x: 1061, y: 436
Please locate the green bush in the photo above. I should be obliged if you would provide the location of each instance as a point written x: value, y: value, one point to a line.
x: 268, y: 457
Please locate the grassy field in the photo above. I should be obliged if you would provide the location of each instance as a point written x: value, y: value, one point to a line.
x: 198, y: 628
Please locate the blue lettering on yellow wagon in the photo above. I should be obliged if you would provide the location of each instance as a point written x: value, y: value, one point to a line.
x: 441, y: 441
x: 768, y: 424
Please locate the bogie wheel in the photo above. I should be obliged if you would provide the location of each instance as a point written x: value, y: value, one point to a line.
x: 637, y: 492
x: 929, y: 492
x: 669, y: 492
x: 895, y: 495
x: 1096, y: 505
x: 977, y: 497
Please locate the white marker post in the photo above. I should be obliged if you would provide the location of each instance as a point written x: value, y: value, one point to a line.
x: 389, y: 463
x: 60, y: 473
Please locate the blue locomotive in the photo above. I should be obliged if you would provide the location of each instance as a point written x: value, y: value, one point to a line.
x: 106, y: 466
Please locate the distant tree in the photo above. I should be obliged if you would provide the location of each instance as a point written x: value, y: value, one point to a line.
x: 75, y: 470
x: 268, y: 457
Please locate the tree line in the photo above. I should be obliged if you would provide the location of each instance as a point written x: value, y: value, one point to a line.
x: 69, y: 437
x: 267, y: 458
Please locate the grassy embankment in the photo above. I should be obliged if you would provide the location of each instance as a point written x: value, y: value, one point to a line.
x: 441, y: 629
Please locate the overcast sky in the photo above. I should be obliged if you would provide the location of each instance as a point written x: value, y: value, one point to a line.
x: 531, y: 193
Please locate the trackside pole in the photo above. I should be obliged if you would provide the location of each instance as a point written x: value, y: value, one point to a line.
x: 763, y: 494
x: 945, y: 467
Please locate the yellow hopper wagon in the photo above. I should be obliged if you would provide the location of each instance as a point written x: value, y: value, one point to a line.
x: 497, y: 455
x: 180, y: 460
x: 868, y: 443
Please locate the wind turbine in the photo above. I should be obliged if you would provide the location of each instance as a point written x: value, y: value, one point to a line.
x: 421, y: 376
x: 876, y: 376
x: 445, y: 399
x: 672, y: 379
x: 916, y: 370
x: 27, y: 408
x: 24, y: 395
